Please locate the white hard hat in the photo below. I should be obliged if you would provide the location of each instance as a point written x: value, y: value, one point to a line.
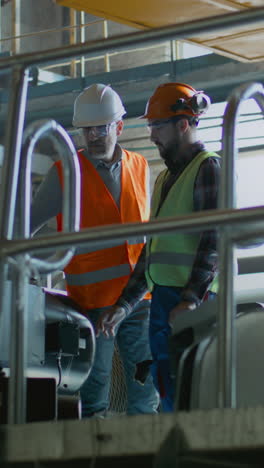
x: 97, y: 105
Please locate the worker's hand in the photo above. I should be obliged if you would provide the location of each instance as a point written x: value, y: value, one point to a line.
x: 109, y: 320
x: 184, y: 305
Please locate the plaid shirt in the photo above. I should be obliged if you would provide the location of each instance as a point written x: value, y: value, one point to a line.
x: 205, y: 265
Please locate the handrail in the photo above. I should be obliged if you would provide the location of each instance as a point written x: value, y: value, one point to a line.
x: 71, y: 171
x: 71, y: 222
x: 14, y: 131
x: 10, y: 170
x: 229, y: 137
x: 226, y: 360
x: 100, y: 238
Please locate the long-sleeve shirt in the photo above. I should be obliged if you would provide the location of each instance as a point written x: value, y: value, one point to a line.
x: 205, y: 265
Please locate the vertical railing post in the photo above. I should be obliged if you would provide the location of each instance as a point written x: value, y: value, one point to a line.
x: 17, y: 386
x: 17, y: 390
x: 82, y: 34
x: 0, y: 27
x: 10, y: 169
x: 226, y: 348
x: 14, y: 132
x: 226, y: 304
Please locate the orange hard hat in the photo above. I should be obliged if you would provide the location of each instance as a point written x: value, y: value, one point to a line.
x: 171, y: 99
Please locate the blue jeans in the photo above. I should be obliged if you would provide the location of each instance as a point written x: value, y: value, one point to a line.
x: 164, y: 298
x: 132, y: 339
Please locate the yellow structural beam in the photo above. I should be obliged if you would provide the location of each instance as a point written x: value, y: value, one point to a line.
x: 245, y: 43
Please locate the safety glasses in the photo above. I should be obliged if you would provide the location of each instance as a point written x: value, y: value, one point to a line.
x: 158, y: 124
x: 99, y: 130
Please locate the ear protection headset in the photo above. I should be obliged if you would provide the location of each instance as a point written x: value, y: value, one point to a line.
x: 198, y: 104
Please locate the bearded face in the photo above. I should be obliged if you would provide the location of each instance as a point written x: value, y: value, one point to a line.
x: 168, y: 137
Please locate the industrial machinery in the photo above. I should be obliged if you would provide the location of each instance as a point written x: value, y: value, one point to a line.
x: 56, y: 353
x: 60, y: 352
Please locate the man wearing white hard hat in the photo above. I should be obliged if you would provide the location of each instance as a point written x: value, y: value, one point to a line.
x: 114, y: 190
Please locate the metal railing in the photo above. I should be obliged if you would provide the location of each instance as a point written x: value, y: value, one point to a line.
x: 21, y: 248
x: 73, y: 29
x: 24, y: 264
x: 226, y: 329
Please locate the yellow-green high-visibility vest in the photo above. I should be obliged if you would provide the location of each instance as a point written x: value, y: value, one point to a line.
x: 170, y: 258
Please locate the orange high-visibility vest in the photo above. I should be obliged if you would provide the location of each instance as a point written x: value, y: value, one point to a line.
x: 96, y: 278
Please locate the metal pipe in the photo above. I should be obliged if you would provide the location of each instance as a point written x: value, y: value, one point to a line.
x: 71, y: 222
x: 53, y: 263
x: 82, y: 39
x: 100, y: 238
x: 1, y: 27
x: 226, y: 359
x: 72, y: 186
x: 151, y: 36
x: 226, y: 342
x: 229, y: 138
x: 17, y: 385
x: 14, y: 131
x: 71, y: 172
x: 10, y: 170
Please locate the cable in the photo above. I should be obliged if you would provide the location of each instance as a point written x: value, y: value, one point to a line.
x: 58, y: 359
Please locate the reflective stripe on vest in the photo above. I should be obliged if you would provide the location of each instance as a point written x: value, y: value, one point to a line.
x: 170, y: 258
x: 106, y: 274
x: 95, y: 278
x: 83, y: 250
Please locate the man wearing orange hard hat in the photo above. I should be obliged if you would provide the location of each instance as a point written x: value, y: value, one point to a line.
x: 180, y: 269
